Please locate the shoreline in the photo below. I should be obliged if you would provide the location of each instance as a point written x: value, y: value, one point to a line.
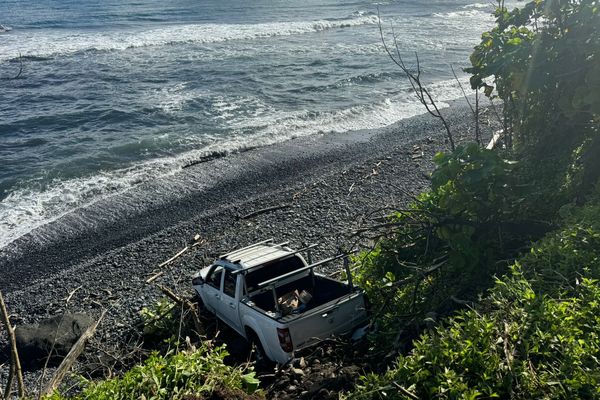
x: 151, y: 207
x: 328, y: 184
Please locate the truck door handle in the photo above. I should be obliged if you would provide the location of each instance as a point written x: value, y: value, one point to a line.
x: 232, y: 305
x: 325, y: 315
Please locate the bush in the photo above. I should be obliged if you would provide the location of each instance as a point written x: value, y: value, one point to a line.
x: 196, y: 372
x: 535, y: 335
x: 445, y: 246
x: 542, y: 61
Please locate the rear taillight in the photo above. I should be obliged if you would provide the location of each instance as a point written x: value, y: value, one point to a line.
x: 285, y: 339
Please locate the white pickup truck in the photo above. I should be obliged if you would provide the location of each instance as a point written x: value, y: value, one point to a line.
x: 272, y: 297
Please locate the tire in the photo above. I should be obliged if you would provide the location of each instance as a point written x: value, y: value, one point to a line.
x: 201, y: 308
x: 258, y: 355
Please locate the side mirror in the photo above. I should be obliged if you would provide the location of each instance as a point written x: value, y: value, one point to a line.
x: 198, y: 281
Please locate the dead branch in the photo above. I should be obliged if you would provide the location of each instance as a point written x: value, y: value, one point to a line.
x: 414, y: 79
x: 155, y: 277
x: 494, y: 141
x: 193, y: 243
x: 185, y: 303
x: 406, y: 392
x: 475, y: 110
x: 15, y: 364
x: 462, y: 89
x: 71, y: 357
x: 176, y: 256
x: 71, y: 294
x: 264, y: 210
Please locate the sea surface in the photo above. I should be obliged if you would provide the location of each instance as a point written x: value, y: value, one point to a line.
x: 114, y: 93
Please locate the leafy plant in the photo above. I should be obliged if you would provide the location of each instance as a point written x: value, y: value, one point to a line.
x: 535, y: 335
x: 445, y: 245
x: 164, y: 324
x: 195, y: 372
x: 543, y: 61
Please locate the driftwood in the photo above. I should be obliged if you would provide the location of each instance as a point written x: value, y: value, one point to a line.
x: 71, y: 357
x: 263, y: 211
x: 195, y: 242
x: 15, y: 364
x: 71, y: 294
x: 155, y: 277
x: 176, y: 256
x: 494, y: 140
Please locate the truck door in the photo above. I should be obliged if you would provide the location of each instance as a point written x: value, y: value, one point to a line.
x: 229, y: 303
x: 212, y: 288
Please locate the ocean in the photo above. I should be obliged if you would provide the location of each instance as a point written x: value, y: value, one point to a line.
x: 117, y: 93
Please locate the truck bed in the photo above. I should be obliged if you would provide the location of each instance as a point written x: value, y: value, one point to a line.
x: 322, y: 289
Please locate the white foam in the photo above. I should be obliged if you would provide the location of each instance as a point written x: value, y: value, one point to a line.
x: 59, y: 42
x: 479, y: 5
x: 27, y: 209
x: 471, y: 14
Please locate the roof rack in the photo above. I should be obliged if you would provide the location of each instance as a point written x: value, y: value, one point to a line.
x: 231, y: 253
x: 274, y: 249
x: 291, y: 253
x: 297, y: 271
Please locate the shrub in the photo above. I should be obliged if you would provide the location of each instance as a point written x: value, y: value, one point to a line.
x: 535, y: 335
x: 446, y: 244
x: 174, y: 376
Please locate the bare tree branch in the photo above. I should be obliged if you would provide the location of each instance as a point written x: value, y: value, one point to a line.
x: 414, y: 79
x: 15, y: 364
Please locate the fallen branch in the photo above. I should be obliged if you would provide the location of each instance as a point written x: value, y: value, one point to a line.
x: 494, y: 140
x: 195, y: 242
x: 176, y: 256
x: 264, y: 210
x: 71, y: 294
x: 15, y: 364
x: 406, y: 392
x: 186, y: 303
x: 71, y: 357
x: 155, y: 277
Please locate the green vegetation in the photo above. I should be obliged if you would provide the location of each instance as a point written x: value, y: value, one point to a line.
x: 165, y: 325
x: 543, y: 62
x: 458, y: 290
x: 535, y: 335
x: 197, y: 372
x: 448, y: 244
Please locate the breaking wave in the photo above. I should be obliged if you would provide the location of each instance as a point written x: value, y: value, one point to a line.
x: 58, y: 42
x: 26, y: 209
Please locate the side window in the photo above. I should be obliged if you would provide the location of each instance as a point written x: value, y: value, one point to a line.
x: 229, y: 284
x: 214, y: 278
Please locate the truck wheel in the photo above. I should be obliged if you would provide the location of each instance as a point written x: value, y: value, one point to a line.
x: 258, y: 354
x: 199, y: 304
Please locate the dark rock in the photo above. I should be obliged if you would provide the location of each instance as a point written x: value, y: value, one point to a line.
x: 53, y: 336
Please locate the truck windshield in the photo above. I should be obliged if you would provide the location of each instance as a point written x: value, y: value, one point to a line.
x: 272, y: 270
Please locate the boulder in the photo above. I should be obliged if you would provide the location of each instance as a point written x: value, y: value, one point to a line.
x: 53, y: 336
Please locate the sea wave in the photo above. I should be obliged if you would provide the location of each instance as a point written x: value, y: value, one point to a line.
x: 471, y: 13
x: 479, y: 5
x: 28, y: 208
x: 59, y: 42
